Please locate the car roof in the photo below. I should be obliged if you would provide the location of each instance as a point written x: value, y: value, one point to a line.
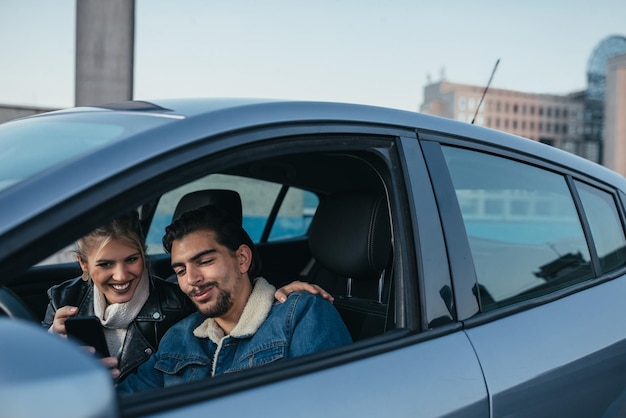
x: 191, y: 120
x: 229, y: 114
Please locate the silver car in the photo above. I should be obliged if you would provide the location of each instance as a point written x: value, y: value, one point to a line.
x: 480, y: 274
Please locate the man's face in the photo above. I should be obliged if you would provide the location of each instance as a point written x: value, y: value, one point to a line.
x: 214, y: 277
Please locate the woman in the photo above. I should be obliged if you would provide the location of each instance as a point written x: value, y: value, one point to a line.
x: 135, y: 308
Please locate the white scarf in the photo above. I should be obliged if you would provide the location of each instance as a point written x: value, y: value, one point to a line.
x: 116, y: 317
x: 254, y: 313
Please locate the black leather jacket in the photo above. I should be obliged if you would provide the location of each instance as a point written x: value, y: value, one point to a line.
x: 165, y: 306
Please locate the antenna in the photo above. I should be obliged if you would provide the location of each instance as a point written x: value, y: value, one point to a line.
x: 486, y: 88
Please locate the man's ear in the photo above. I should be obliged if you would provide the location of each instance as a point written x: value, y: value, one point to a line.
x: 244, y: 257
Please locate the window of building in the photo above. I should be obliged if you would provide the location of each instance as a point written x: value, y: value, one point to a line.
x: 532, y: 110
x: 523, y: 109
x: 592, y: 151
x: 570, y: 146
x: 540, y: 111
x: 515, y: 108
x: 461, y: 104
x: 506, y: 107
x: 498, y: 106
x: 556, y: 112
x: 524, y: 232
x: 506, y: 123
x: 556, y: 128
x: 514, y: 124
x: 548, y: 111
x: 532, y: 126
x: 523, y: 125
x: 497, y: 122
x: 540, y: 127
x: 548, y: 127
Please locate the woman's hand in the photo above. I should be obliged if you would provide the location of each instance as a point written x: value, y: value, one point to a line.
x: 110, y: 363
x: 296, y: 286
x: 58, y: 324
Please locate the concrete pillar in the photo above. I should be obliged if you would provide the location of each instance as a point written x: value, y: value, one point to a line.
x: 615, y: 114
x: 105, y: 37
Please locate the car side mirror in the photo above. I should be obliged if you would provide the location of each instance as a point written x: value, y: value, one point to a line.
x: 43, y: 375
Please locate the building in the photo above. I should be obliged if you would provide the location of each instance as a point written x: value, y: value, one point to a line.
x: 554, y: 120
x: 8, y: 112
x: 589, y: 123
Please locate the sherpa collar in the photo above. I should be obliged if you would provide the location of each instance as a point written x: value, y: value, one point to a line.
x: 254, y: 313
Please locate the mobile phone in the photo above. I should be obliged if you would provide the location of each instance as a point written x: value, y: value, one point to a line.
x: 87, y: 330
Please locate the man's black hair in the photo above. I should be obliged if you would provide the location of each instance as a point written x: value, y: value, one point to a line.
x: 228, y: 232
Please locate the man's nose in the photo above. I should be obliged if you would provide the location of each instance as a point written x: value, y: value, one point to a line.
x: 194, y: 275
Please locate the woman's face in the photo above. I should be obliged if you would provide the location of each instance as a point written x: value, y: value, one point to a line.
x: 116, y: 270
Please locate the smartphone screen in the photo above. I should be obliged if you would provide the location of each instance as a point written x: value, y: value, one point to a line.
x: 87, y: 330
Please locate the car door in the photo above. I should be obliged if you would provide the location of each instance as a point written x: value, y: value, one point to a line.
x: 423, y: 365
x: 544, y: 249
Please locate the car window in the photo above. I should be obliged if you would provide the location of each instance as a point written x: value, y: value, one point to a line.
x: 258, y: 198
x: 25, y: 152
x: 606, y: 228
x: 523, y: 229
x: 295, y: 214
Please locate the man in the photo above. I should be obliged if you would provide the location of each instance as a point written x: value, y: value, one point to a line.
x: 238, y: 324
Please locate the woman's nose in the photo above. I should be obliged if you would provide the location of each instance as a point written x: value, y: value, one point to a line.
x: 120, y: 273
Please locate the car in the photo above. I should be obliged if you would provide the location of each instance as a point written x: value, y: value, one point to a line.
x: 479, y: 273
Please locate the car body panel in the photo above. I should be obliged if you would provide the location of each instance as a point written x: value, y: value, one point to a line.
x: 438, y: 377
x: 567, y: 356
x: 39, y: 370
x: 563, y: 354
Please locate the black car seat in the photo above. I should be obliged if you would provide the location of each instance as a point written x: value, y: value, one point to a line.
x: 350, y: 237
x: 228, y: 200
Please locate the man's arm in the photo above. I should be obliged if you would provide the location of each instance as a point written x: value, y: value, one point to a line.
x: 146, y: 377
x: 316, y: 325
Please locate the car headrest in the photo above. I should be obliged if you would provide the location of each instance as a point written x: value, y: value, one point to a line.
x: 350, y: 235
x: 228, y: 200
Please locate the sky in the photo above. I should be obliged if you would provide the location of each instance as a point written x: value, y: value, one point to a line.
x: 378, y: 52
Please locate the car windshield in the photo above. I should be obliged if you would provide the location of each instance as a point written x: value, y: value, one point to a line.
x: 30, y: 146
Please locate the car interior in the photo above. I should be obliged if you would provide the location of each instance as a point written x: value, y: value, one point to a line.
x: 345, y: 246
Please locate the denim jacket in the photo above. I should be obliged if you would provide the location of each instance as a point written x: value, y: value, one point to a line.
x: 267, y: 331
x: 165, y: 306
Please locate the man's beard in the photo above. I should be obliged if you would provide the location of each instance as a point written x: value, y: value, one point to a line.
x: 221, y: 306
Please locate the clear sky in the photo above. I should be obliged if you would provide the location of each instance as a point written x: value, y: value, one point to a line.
x: 362, y: 51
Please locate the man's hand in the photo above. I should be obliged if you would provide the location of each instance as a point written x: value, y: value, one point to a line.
x: 296, y: 286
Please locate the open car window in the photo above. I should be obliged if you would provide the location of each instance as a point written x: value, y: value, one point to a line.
x: 259, y: 199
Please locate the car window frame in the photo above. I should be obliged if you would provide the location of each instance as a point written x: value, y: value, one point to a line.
x: 374, y: 141
x: 431, y: 143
